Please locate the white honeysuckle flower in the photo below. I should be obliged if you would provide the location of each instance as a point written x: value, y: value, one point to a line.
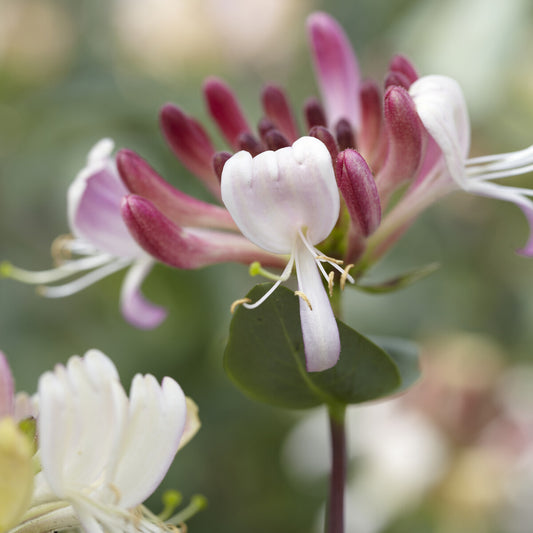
x: 102, y: 452
x: 100, y: 243
x: 441, y: 106
x: 287, y: 201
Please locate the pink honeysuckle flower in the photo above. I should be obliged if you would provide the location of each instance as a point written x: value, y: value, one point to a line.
x: 7, y: 388
x: 287, y: 201
x: 384, y: 128
x: 100, y: 243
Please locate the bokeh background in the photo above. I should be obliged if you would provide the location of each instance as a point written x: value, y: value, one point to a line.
x: 74, y: 71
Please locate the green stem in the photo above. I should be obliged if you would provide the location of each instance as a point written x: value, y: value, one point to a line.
x: 335, y: 510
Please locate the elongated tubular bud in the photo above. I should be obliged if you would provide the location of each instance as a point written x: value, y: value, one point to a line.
x: 277, y: 108
x: 401, y: 65
x: 187, y: 248
x: 368, y: 138
x: 406, y: 136
x: 141, y: 179
x: 225, y: 110
x: 190, y: 143
x: 314, y: 113
x: 358, y: 188
x: 323, y: 134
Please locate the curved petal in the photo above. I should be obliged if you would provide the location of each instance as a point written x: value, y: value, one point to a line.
x: 94, y: 204
x: 156, y: 420
x: 336, y: 69
x: 274, y: 195
x: 319, y: 327
x: 81, y: 410
x: 134, y: 306
x: 442, y: 109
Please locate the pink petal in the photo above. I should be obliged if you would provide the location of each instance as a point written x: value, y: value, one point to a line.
x: 225, y: 110
x: 94, y: 209
x: 135, y: 308
x: 336, y: 69
x: 184, y: 247
x: 143, y: 180
x: 7, y: 388
x: 190, y: 143
x: 358, y: 188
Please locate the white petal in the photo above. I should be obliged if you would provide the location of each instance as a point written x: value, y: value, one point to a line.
x: 442, y: 109
x: 81, y: 408
x: 156, y: 421
x: 276, y: 194
x: 319, y: 327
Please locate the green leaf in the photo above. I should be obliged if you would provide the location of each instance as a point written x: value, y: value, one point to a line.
x: 265, y: 358
x: 397, y: 282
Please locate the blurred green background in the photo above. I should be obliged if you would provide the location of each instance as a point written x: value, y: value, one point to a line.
x: 74, y: 71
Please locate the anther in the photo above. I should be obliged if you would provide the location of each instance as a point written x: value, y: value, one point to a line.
x: 236, y: 304
x: 331, y: 277
x: 304, y: 298
x: 329, y: 259
x: 59, y: 249
x: 344, y: 275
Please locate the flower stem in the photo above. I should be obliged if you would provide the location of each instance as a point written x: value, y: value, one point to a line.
x: 335, y: 510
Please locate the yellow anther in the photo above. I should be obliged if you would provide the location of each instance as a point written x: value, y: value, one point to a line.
x: 115, y: 491
x: 60, y: 249
x: 236, y: 303
x: 344, y: 275
x: 304, y: 298
x: 330, y: 283
x: 330, y: 259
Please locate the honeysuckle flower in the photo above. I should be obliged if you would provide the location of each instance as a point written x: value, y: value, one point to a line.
x: 440, y: 104
x: 286, y: 201
x: 100, y: 243
x: 442, y: 108
x: 102, y: 453
x: 385, y: 129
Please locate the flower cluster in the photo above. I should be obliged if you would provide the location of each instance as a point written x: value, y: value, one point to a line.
x: 92, y: 439
x: 286, y: 196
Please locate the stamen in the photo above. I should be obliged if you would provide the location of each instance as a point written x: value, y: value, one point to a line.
x: 330, y: 283
x: 345, y: 276
x: 284, y: 275
x: 39, y: 277
x: 257, y: 270
x: 238, y: 302
x: 500, y: 165
x: 304, y: 298
x: 328, y: 259
x: 85, y: 281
